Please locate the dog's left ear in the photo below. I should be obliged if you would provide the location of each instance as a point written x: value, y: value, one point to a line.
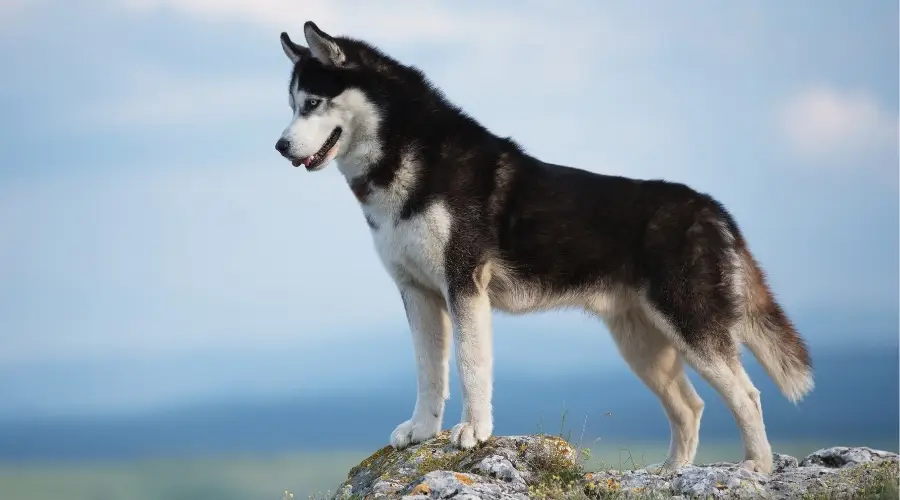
x: 323, y: 46
x: 295, y: 53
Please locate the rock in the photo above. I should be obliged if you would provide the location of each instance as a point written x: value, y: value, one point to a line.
x: 522, y: 467
x: 842, y: 456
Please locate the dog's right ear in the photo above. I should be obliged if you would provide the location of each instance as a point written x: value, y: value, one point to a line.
x: 295, y: 53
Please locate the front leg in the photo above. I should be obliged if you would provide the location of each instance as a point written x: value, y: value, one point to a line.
x: 429, y: 324
x: 470, y: 312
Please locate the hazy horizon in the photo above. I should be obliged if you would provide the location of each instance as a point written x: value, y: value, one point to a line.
x: 105, y: 386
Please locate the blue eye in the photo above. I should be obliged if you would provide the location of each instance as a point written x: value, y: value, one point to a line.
x: 310, y: 104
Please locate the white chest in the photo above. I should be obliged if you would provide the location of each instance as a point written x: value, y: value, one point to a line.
x: 412, y: 249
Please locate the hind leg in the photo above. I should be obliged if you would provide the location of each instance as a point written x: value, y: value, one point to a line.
x: 656, y: 361
x: 754, y: 395
x: 717, y: 360
x: 727, y: 376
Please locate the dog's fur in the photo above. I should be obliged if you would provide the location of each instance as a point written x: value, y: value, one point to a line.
x: 466, y: 222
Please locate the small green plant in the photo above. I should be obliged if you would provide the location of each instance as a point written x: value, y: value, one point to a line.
x: 560, y: 475
x: 874, y: 482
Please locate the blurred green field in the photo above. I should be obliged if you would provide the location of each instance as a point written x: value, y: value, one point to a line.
x: 266, y: 478
x: 231, y: 478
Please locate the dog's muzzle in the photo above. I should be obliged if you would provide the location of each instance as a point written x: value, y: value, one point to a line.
x: 314, y: 161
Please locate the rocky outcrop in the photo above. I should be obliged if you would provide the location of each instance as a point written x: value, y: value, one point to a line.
x: 521, y: 467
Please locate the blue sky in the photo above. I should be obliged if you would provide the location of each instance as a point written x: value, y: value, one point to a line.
x: 155, y: 249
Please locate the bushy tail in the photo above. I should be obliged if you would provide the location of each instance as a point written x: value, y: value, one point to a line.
x: 770, y: 335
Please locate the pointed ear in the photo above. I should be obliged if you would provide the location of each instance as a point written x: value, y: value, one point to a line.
x: 323, y: 46
x: 294, y: 52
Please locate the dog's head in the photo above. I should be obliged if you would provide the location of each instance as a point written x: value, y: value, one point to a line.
x: 333, y: 117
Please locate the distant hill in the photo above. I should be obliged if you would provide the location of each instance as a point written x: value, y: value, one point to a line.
x: 855, y: 403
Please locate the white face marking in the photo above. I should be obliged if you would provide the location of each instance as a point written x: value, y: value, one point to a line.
x: 362, y: 145
x: 315, y: 118
x: 313, y: 121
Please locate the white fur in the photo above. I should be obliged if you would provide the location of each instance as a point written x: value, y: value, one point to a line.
x: 430, y: 327
x: 474, y: 357
x: 411, y: 250
x: 360, y: 120
x: 511, y: 295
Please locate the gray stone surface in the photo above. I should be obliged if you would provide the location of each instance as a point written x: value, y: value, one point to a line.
x: 521, y: 467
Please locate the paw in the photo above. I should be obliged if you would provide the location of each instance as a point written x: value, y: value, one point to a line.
x: 414, y: 431
x: 465, y: 435
x: 667, y: 467
x: 758, y: 465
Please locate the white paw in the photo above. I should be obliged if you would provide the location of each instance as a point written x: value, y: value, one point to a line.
x: 757, y: 466
x: 667, y: 467
x: 465, y: 435
x: 414, y: 431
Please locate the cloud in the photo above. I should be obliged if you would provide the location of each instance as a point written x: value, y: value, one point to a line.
x: 824, y: 124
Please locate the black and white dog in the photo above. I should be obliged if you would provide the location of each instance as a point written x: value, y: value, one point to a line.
x: 466, y: 222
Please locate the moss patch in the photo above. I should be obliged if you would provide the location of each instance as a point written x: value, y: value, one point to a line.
x: 873, y: 482
x: 374, y: 461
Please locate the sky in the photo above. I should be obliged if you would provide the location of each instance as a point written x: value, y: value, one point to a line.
x: 155, y: 249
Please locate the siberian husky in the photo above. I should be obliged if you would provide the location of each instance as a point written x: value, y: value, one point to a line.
x: 466, y: 222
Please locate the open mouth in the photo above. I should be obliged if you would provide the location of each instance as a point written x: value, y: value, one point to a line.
x: 322, y: 155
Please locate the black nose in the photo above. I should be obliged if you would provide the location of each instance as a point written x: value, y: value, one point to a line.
x: 282, y: 146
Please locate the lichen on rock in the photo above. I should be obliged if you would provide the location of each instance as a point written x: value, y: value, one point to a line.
x: 547, y: 467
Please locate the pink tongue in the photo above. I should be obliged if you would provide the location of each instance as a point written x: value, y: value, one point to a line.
x: 307, y: 161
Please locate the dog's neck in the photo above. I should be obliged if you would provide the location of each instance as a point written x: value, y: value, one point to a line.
x: 359, y: 160
x: 356, y: 164
x: 380, y: 189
